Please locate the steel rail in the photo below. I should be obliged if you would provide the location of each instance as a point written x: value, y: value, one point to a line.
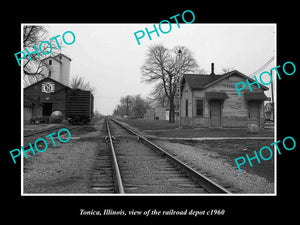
x: 117, y: 174
x: 202, y: 180
x: 41, y: 131
x: 70, y: 128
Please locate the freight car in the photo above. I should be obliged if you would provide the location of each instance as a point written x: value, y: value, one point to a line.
x: 79, y: 106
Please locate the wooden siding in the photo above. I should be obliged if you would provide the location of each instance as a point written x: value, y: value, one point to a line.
x: 57, y: 98
x: 234, y: 109
x: 79, y: 103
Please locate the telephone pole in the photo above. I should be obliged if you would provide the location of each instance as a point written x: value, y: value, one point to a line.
x: 127, y: 102
x: 179, y: 54
x: 272, y: 101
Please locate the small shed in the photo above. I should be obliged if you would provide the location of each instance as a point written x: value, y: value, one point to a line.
x: 158, y: 113
x: 150, y: 114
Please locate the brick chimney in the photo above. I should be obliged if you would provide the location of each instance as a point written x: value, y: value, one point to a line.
x: 212, y: 69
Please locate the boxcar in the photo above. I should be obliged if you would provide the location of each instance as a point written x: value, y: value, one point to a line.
x: 79, y: 106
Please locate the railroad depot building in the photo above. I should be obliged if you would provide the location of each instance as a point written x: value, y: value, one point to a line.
x: 212, y: 101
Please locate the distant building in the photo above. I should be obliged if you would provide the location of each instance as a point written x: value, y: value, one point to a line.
x: 150, y: 114
x: 159, y: 113
x: 168, y: 114
x: 212, y: 101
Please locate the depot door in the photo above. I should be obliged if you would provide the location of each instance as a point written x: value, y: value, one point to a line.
x: 254, y: 112
x: 215, y: 113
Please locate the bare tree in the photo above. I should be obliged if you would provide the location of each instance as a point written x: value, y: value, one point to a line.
x: 79, y: 83
x: 227, y: 69
x: 165, y: 67
x: 33, y: 66
x: 139, y: 107
x: 132, y: 106
x: 159, y: 96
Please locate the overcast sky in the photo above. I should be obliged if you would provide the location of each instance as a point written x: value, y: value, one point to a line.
x: 109, y: 57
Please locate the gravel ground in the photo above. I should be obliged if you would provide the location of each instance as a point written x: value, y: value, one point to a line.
x: 67, y: 167
x: 229, y: 150
x: 64, y: 168
x: 211, y: 164
x: 144, y: 171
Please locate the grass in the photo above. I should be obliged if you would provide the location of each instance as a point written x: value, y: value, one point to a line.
x: 145, y: 125
x: 162, y: 128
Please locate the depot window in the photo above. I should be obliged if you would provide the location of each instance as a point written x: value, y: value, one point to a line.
x: 199, y: 107
x: 186, y: 108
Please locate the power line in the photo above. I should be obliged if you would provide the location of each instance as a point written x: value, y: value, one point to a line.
x: 263, y: 66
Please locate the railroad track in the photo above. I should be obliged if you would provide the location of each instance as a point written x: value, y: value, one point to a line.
x: 56, y: 128
x: 139, y: 166
x: 49, y: 130
x: 41, y: 131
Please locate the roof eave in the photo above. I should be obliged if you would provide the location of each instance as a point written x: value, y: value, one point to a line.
x: 43, y: 80
x: 229, y: 74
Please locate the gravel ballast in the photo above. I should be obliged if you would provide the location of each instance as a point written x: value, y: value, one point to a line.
x: 62, y: 169
x: 210, y: 164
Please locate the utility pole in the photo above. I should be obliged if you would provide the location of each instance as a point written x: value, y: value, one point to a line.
x: 127, y: 101
x: 179, y: 97
x: 272, y: 101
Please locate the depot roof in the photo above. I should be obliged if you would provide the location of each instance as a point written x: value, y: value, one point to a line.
x: 202, y: 81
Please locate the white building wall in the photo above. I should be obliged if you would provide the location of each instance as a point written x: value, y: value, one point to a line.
x: 186, y: 95
x: 60, y: 69
x: 55, y: 68
x: 64, y: 75
x: 235, y: 109
x: 160, y: 113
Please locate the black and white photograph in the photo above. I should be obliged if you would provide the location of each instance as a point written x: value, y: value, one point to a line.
x: 168, y: 119
x: 173, y: 116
